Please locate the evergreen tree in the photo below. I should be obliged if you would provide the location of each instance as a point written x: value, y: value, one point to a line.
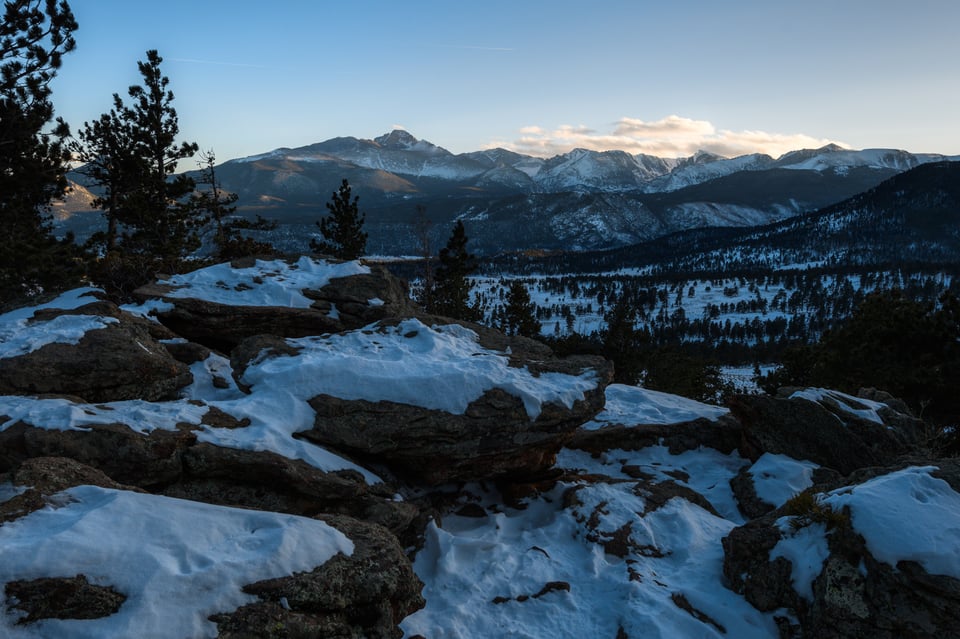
x: 452, y: 286
x: 106, y: 149
x: 163, y: 223
x: 520, y: 313
x: 34, y: 35
x: 342, y: 231
x: 623, y: 343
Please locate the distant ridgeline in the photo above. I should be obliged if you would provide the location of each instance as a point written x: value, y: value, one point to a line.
x: 582, y: 200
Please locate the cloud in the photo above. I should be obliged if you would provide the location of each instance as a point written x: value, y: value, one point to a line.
x: 672, y: 136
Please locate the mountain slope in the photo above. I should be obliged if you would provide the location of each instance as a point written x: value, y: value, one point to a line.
x: 582, y: 199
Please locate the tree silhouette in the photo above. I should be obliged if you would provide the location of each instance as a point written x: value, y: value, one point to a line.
x: 34, y: 35
x: 452, y: 287
x: 520, y: 312
x: 162, y: 221
x: 343, y: 235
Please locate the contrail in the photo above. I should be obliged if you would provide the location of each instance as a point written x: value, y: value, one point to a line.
x: 476, y: 48
x: 220, y: 63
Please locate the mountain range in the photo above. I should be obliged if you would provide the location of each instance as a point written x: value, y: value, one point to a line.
x: 508, y: 201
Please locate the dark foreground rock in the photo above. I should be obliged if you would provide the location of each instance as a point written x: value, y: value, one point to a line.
x: 852, y: 594
x: 62, y: 598
x: 119, y: 361
x: 834, y: 434
x: 494, y: 438
x: 173, y: 463
x: 345, y: 303
x: 364, y: 595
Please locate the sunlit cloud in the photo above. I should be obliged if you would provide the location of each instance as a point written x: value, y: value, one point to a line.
x: 672, y: 136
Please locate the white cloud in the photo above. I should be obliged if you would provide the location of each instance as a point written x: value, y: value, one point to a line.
x: 672, y: 136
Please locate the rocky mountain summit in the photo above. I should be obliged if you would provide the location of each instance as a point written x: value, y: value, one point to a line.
x: 289, y: 448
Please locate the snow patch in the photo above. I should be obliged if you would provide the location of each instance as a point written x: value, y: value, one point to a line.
x: 177, y: 561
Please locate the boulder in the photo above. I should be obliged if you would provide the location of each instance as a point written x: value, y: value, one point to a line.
x: 722, y: 434
x: 173, y: 463
x: 343, y: 303
x: 442, y: 402
x: 117, y: 450
x: 825, y: 427
x: 41, y: 477
x: 851, y: 592
x: 62, y: 598
x: 364, y: 595
x: 116, y: 359
x: 267, y: 481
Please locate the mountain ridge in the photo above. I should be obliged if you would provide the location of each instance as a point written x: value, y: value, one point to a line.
x: 580, y: 200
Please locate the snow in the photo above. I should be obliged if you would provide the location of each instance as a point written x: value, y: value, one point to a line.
x: 8, y: 491
x: 806, y: 549
x: 633, y: 405
x: 862, y: 408
x: 469, y: 562
x: 20, y: 334
x: 777, y: 478
x: 275, y: 414
x: 440, y: 367
x: 267, y: 283
x: 907, y: 515
x: 704, y: 470
x: 177, y: 561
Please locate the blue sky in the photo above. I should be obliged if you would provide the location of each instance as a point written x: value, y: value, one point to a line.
x: 536, y: 76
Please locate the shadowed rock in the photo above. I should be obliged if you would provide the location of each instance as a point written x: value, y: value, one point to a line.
x: 365, y: 594
x: 345, y: 303
x: 120, y: 361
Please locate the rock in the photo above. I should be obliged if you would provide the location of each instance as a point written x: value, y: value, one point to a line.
x: 174, y: 464
x: 826, y: 432
x: 481, y: 434
x: 120, y: 452
x: 750, y: 504
x: 62, y: 598
x: 493, y: 438
x: 45, y: 476
x: 854, y: 594
x: 722, y: 434
x: 344, y: 303
x: 119, y: 361
x: 267, y: 481
x: 364, y: 595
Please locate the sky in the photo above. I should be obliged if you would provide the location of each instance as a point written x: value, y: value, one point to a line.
x: 535, y: 76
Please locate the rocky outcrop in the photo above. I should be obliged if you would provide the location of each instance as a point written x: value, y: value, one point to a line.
x: 851, y: 593
x: 118, y: 360
x: 722, y: 434
x: 364, y: 595
x: 834, y: 430
x: 494, y: 437
x: 344, y: 303
x: 62, y: 598
x: 175, y: 464
x: 495, y: 433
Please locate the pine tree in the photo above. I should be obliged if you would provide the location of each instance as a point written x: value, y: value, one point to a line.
x: 162, y: 222
x: 452, y: 286
x: 342, y: 231
x: 106, y: 149
x: 520, y: 313
x: 623, y: 343
x: 34, y: 35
